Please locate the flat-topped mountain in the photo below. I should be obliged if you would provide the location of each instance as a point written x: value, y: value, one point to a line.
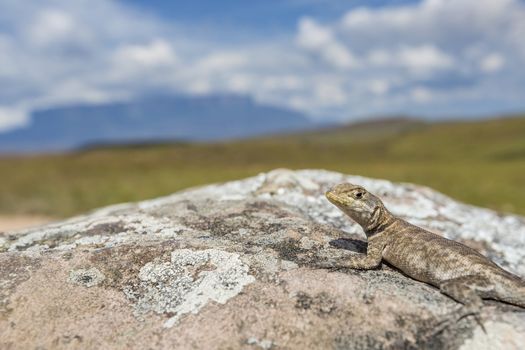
x: 169, y: 118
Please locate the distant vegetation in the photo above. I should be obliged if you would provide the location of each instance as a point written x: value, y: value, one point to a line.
x: 479, y: 162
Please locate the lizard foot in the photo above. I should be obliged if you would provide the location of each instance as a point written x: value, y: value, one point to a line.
x: 471, y: 311
x: 456, y: 316
x: 465, y: 291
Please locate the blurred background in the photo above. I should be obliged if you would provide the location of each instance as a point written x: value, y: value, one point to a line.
x: 106, y: 101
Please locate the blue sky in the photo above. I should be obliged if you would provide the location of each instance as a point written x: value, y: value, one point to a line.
x: 332, y: 60
x: 257, y: 18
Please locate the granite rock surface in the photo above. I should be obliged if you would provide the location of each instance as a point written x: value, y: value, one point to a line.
x: 231, y: 266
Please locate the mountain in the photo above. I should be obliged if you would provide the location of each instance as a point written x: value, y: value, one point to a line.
x: 156, y: 118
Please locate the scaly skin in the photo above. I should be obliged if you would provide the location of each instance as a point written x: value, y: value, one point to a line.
x: 457, y: 270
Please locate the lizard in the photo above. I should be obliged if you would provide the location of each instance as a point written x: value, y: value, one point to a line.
x: 457, y: 270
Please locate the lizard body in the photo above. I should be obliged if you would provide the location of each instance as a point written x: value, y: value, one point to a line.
x: 457, y: 270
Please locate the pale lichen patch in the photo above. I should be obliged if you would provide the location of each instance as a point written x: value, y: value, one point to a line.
x: 3, y: 244
x: 264, y: 344
x: 188, y: 282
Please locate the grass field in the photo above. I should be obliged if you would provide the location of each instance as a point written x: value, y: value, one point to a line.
x: 481, y: 162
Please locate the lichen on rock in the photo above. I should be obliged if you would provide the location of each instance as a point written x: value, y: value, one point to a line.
x: 188, y: 282
x: 3, y: 244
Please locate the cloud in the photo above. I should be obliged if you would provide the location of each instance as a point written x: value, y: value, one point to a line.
x: 329, y: 92
x: 158, y: 52
x: 492, y: 63
x: 12, y: 117
x: 221, y: 61
x: 424, y: 58
x: 322, y: 42
x: 56, y: 52
x: 378, y: 86
x: 446, y: 53
x: 51, y: 26
x: 432, y: 57
x: 420, y: 94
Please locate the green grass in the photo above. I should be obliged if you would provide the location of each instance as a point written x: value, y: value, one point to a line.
x: 480, y: 162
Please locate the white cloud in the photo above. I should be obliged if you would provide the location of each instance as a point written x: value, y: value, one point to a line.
x: 156, y: 53
x: 62, y: 52
x: 420, y: 94
x: 427, y: 57
x: 240, y: 83
x: 220, y: 61
x: 13, y: 117
x: 442, y: 22
x: 329, y: 92
x: 321, y: 41
x: 400, y: 17
x: 51, y: 26
x: 199, y: 87
x: 492, y: 63
x: 424, y: 58
x: 379, y: 57
x: 312, y: 35
x: 378, y: 86
x: 284, y: 82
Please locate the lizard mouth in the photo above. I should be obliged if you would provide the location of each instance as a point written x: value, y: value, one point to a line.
x: 332, y: 197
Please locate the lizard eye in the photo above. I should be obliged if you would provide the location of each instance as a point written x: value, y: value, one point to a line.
x: 359, y: 195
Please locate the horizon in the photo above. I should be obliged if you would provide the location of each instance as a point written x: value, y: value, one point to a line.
x: 331, y: 61
x: 143, y: 143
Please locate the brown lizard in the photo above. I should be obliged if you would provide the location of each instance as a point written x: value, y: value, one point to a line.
x: 457, y: 270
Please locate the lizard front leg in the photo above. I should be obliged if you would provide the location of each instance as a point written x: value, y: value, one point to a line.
x: 371, y: 260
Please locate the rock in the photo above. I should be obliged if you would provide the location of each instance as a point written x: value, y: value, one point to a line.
x: 230, y: 266
x: 86, y: 277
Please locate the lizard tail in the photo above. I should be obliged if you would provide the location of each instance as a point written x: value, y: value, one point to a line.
x: 511, y: 289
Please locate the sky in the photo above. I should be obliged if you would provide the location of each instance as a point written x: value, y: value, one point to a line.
x: 332, y: 60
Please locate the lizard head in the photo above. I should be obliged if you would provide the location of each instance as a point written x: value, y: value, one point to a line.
x: 354, y: 201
